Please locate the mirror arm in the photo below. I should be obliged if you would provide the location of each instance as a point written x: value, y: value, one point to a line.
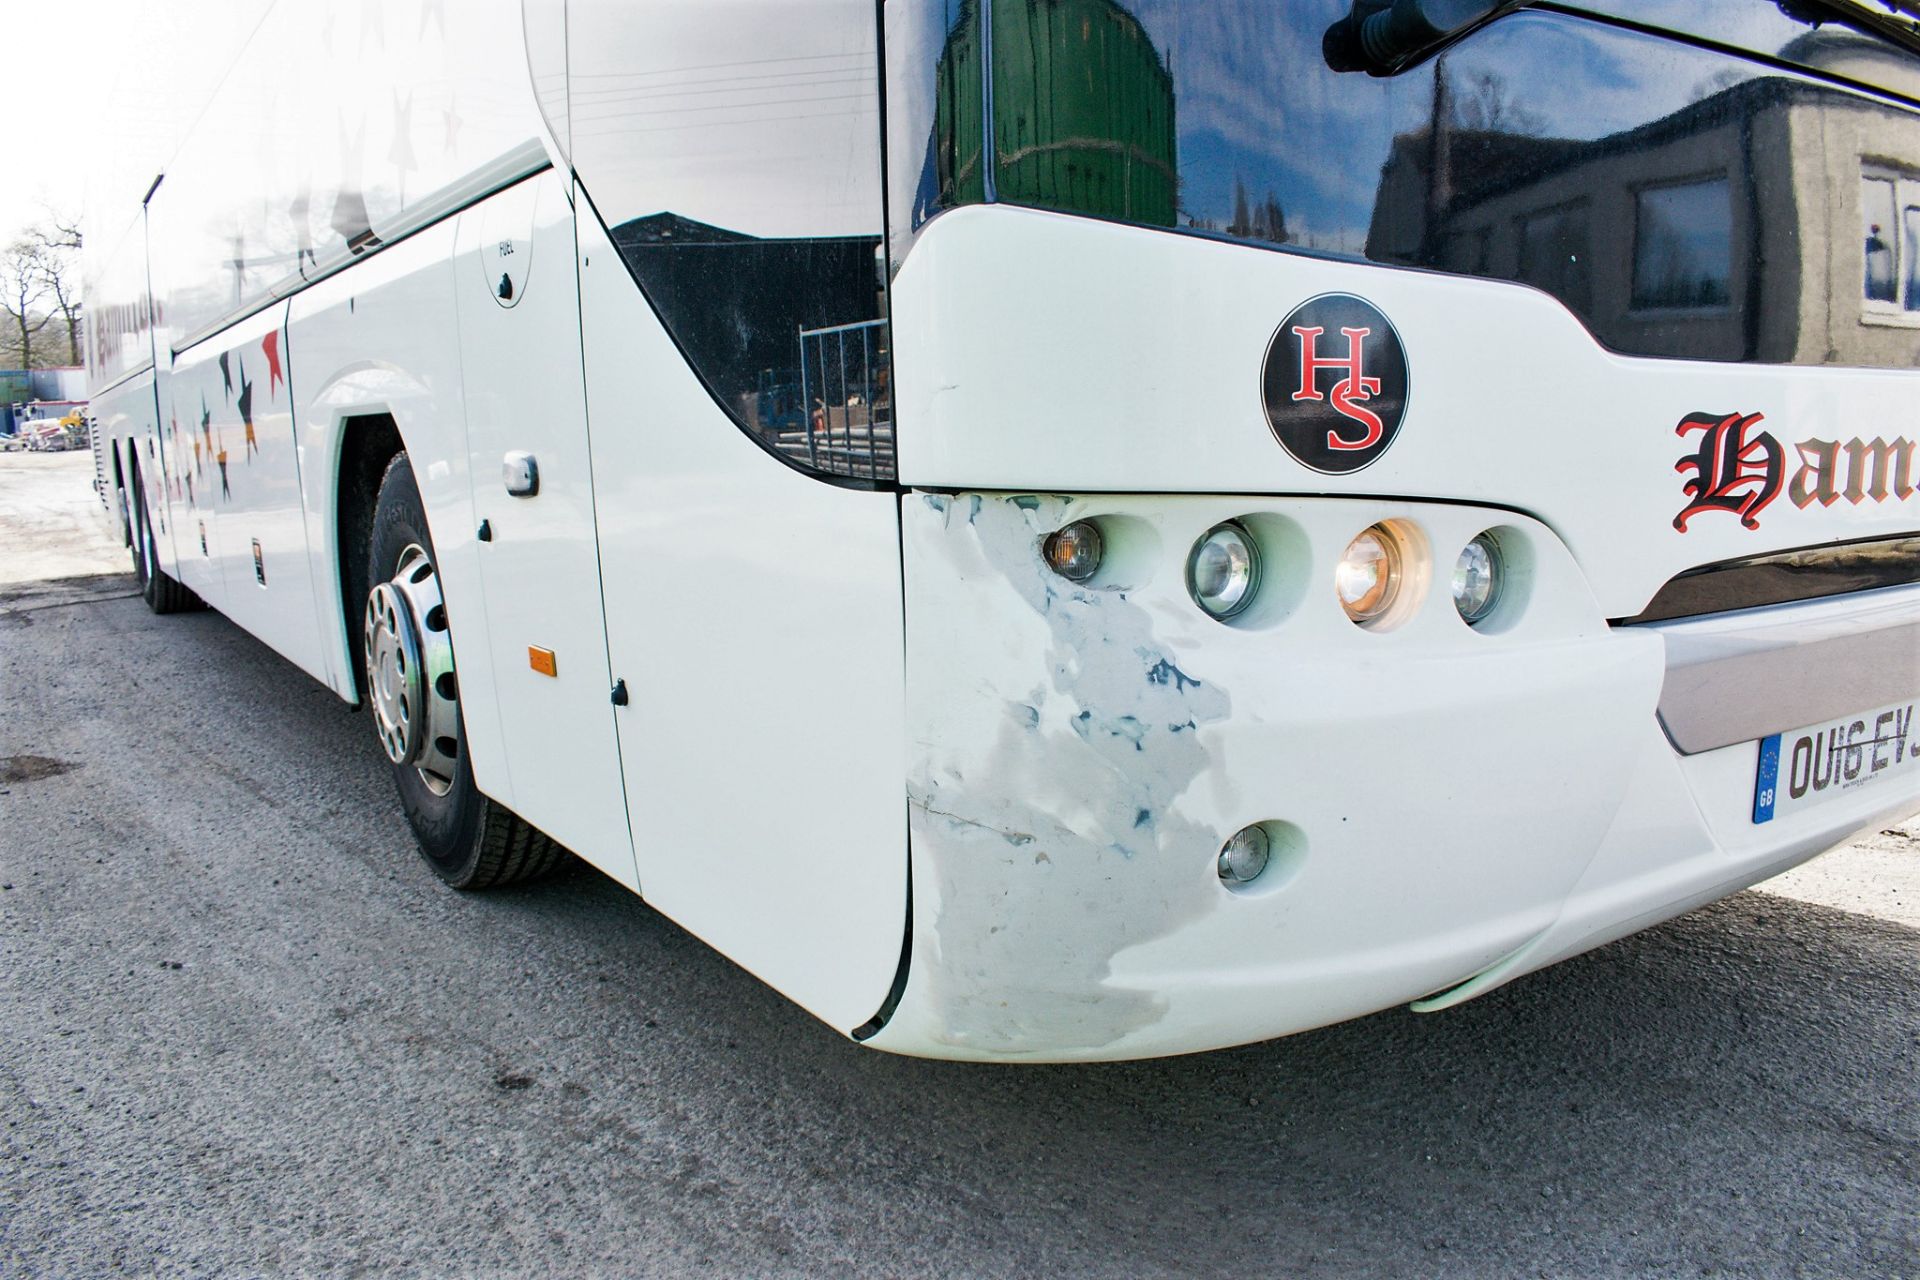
x: 1385, y: 37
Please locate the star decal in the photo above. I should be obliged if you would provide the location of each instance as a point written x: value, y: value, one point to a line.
x: 246, y: 411
x: 271, y: 345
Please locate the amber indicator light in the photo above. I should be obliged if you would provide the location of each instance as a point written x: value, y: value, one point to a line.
x: 541, y: 660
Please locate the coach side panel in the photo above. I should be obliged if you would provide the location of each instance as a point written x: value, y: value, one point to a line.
x: 381, y: 342
x: 242, y: 525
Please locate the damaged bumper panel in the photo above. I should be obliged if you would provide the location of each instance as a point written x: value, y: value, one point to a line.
x: 1441, y: 802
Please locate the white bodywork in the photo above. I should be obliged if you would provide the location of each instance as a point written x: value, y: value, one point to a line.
x: 756, y: 615
x: 1084, y: 918
x: 872, y: 749
x: 1514, y: 404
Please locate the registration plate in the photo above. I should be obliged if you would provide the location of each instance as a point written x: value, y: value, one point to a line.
x: 1824, y: 761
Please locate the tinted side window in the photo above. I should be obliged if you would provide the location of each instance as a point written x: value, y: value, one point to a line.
x: 733, y: 150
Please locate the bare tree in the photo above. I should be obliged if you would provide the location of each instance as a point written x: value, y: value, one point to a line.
x: 58, y: 238
x: 23, y: 287
x: 1262, y: 221
x: 1487, y: 103
x: 39, y: 282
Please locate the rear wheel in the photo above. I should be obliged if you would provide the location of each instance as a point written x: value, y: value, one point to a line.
x: 414, y: 695
x: 163, y: 593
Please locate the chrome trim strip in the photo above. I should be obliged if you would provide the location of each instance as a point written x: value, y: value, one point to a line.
x: 1785, y: 577
x: 1736, y: 677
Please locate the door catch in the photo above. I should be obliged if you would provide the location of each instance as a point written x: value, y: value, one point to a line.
x: 521, y: 472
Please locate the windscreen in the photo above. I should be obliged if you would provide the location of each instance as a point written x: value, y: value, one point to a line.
x: 1683, y: 201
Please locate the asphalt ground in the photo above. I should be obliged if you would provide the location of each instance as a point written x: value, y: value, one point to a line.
x: 245, y: 1031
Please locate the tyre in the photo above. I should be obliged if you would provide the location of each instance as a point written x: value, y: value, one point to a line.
x: 163, y: 593
x: 414, y: 696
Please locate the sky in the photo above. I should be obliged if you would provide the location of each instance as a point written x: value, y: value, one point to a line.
x: 72, y: 41
x: 108, y: 117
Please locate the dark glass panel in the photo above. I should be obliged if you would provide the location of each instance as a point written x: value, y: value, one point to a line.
x: 1555, y: 253
x: 764, y: 322
x: 1467, y: 252
x: 1683, y: 247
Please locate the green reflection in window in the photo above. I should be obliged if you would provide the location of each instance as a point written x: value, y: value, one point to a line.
x: 1083, y: 115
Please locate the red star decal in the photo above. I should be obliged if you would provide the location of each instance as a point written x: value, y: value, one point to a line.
x: 271, y: 345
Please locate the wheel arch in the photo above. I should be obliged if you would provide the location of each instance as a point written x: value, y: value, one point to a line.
x: 368, y: 442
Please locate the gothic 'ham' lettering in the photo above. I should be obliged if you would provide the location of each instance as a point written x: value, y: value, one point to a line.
x: 1738, y: 470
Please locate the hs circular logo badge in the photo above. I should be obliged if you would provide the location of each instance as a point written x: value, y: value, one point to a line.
x: 1335, y: 383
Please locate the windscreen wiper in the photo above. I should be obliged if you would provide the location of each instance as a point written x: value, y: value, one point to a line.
x: 1895, y: 20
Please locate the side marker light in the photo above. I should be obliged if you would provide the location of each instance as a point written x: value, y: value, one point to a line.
x: 1074, y: 552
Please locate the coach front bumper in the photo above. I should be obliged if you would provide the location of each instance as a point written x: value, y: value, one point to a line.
x: 1449, y: 806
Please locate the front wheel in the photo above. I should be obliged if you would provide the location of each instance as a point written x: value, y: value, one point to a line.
x: 414, y: 695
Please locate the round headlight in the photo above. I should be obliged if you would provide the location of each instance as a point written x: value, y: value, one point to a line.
x: 1476, y: 579
x: 1244, y: 857
x: 1223, y: 570
x: 1074, y: 551
x: 1368, y: 576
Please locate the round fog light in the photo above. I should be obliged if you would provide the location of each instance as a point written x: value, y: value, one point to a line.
x: 1368, y: 576
x: 1476, y: 579
x: 1074, y: 552
x: 1223, y: 570
x: 1244, y: 857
